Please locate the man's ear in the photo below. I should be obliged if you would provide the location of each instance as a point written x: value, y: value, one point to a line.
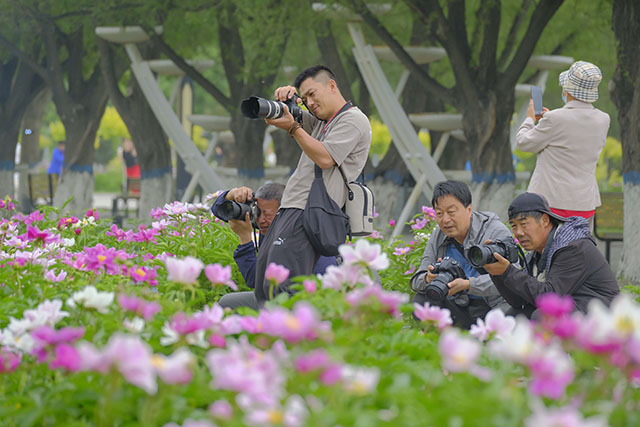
x: 545, y: 220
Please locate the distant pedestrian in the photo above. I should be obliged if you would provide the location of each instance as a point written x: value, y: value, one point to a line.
x: 57, y: 159
x: 568, y: 142
x: 130, y: 158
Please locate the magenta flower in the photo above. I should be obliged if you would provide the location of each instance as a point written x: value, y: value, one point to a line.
x: 555, y: 305
x: 428, y: 313
x: 303, y: 323
x: 316, y: 359
x: 219, y: 275
x: 392, y: 222
x: 51, y: 275
x: 309, y: 286
x: 420, y: 223
x: 332, y: 374
x: 120, y: 234
x: 9, y: 361
x: 91, y: 212
x: 185, y: 270
x: 276, y: 273
x: 399, y: 251
x: 254, y: 374
x: 141, y: 307
x: 429, y: 212
x: 551, y: 371
x: 49, y: 336
x: 67, y: 357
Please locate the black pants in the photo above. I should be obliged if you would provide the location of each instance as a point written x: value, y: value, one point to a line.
x: 285, y: 244
x: 234, y: 300
x: 463, y: 317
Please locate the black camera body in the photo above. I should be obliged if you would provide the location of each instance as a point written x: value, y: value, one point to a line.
x: 230, y: 209
x: 255, y: 107
x: 481, y: 255
x: 446, y: 271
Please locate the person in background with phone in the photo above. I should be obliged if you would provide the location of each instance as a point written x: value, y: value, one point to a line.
x: 568, y: 142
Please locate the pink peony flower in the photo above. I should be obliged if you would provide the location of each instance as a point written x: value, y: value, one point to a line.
x: 428, y: 313
x: 221, y: 409
x: 185, y: 270
x: 555, y: 305
x: 51, y: 275
x: 67, y: 357
x: 366, y: 254
x: 141, y: 307
x: 219, y: 275
x: 276, y: 273
x: 389, y: 301
x: 316, y: 359
x: 9, y: 362
x: 459, y: 354
x: 309, y: 286
x: 175, y: 369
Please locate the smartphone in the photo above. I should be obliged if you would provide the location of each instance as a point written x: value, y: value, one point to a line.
x: 536, y: 95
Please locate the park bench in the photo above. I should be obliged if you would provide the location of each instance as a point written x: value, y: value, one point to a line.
x: 42, y: 187
x: 130, y: 192
x: 608, y: 222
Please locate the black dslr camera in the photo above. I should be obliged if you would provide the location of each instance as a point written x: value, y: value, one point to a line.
x: 447, y: 270
x: 481, y: 255
x: 230, y: 209
x: 259, y: 108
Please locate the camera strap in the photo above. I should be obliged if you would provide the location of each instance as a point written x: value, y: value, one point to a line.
x: 344, y: 108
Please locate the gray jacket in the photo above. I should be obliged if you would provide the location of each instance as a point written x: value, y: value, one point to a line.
x: 484, y: 226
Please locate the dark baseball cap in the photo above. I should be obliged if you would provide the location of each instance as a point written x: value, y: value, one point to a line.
x: 527, y: 202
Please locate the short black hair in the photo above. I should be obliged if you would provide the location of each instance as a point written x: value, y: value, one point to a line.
x: 312, y: 72
x: 270, y: 191
x: 457, y: 189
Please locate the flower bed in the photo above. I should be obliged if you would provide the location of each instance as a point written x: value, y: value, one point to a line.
x: 103, y: 326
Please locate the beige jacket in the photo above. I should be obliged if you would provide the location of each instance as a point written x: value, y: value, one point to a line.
x: 568, y: 142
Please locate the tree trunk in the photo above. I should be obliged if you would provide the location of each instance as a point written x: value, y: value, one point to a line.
x: 625, y: 94
x: 77, y: 177
x: 287, y: 151
x: 8, y: 139
x: 248, y: 135
x: 19, y: 84
x: 487, y: 132
x: 154, y: 192
x: 30, y: 154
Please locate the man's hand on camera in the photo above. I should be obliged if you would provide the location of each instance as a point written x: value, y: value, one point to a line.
x: 497, y: 268
x: 240, y: 194
x: 285, y: 92
x: 284, y: 122
x: 430, y: 276
x: 242, y: 228
x: 458, y: 285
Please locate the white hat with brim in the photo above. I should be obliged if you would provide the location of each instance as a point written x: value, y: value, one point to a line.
x: 581, y: 80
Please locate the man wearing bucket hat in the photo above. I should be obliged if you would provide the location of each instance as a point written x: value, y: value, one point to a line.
x: 568, y: 142
x: 562, y: 259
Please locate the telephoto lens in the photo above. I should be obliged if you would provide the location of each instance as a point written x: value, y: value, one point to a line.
x: 260, y: 108
x: 255, y: 107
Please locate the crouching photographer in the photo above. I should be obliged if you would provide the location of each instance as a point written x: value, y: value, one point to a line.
x: 248, y: 213
x: 445, y: 277
x: 563, y: 259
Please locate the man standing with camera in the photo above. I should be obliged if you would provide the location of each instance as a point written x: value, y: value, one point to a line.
x: 563, y: 259
x: 333, y: 133
x: 260, y: 210
x: 459, y: 228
